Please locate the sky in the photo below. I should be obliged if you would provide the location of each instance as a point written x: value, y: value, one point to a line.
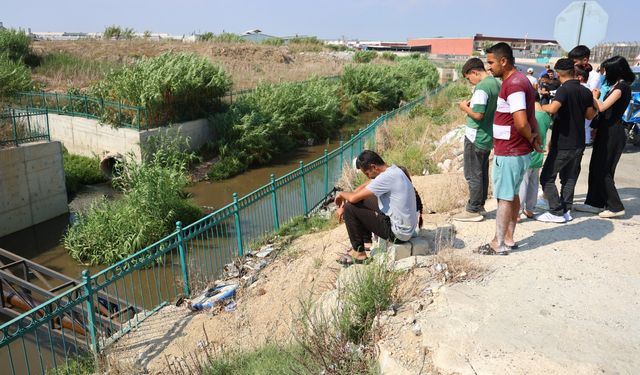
x: 390, y: 20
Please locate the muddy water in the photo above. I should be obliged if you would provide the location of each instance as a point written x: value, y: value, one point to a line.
x: 41, y: 243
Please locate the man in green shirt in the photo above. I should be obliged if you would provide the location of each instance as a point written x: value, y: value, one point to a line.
x: 531, y: 181
x: 478, y: 140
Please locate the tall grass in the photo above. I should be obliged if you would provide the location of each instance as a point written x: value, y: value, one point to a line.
x: 172, y: 86
x: 14, y: 77
x: 80, y: 170
x: 274, y: 119
x: 14, y: 45
x: 408, y: 141
x: 60, y: 68
x: 221, y: 38
x: 364, y: 56
x: 153, y: 200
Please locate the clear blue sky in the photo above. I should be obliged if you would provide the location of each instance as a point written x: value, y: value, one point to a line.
x: 327, y: 19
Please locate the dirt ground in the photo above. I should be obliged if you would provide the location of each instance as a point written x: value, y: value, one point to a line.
x: 565, y: 302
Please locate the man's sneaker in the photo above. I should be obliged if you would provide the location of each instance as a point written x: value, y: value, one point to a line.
x: 468, y: 216
x: 548, y: 217
x: 567, y: 216
x: 587, y: 208
x: 606, y: 214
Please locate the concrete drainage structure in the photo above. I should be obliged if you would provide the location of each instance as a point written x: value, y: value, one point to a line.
x: 108, y: 163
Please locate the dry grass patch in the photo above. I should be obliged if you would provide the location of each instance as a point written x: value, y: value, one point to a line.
x: 459, y: 266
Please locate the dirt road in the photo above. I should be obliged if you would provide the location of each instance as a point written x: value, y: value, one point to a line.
x: 566, y: 302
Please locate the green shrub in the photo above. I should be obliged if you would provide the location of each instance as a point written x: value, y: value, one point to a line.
x: 274, y: 119
x: 118, y: 32
x: 389, y: 56
x: 152, y: 201
x: 172, y: 86
x: 14, y: 77
x: 416, y: 77
x: 82, y: 365
x: 14, y: 45
x: 266, y: 360
x: 80, y: 170
x: 364, y: 56
x: 226, y: 167
x: 221, y: 38
x: 306, y: 40
x: 338, y: 47
x: 273, y: 42
x: 368, y: 293
x: 369, y: 87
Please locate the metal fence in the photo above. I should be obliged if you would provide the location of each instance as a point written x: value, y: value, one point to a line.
x: 61, y: 332
x: 18, y: 126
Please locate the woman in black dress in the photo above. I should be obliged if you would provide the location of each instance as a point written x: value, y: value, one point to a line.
x: 602, y: 195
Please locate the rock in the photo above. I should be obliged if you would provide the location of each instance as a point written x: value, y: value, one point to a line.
x: 231, y: 271
x: 265, y: 251
x: 446, y: 164
x: 439, y: 267
x: 388, y: 364
x: 417, y: 261
x: 415, y: 246
x: 248, y: 280
x: 417, y: 330
x: 417, y: 306
x: 349, y: 275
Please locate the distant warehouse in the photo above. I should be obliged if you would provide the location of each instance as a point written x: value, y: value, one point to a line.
x: 467, y: 46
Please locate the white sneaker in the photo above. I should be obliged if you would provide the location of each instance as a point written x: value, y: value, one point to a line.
x: 606, y: 214
x: 567, y: 216
x: 587, y: 208
x: 548, y: 217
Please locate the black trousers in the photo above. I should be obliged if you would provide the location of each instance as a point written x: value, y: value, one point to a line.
x: 362, y: 219
x: 566, y: 163
x: 476, y: 172
x: 607, y: 149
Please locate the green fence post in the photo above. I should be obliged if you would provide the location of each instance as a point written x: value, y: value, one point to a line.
x: 91, y: 312
x: 138, y: 118
x: 304, y: 189
x: 57, y: 103
x: 326, y: 172
x: 361, y: 136
x: 15, y: 126
x: 274, y: 202
x: 183, y: 258
x: 86, y: 106
x: 341, y: 154
x: 236, y: 215
x: 46, y: 118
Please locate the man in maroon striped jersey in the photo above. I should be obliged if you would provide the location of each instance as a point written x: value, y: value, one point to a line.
x: 514, y: 137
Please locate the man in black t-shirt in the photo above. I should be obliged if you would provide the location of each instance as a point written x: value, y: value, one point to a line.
x: 571, y: 105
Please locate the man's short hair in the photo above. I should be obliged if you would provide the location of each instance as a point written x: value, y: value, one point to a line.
x: 501, y: 50
x: 565, y: 67
x: 367, y: 158
x: 579, y: 52
x: 473, y: 63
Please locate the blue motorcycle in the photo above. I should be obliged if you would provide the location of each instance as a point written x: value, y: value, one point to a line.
x: 631, y: 116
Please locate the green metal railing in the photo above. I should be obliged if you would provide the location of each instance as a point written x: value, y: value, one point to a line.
x: 118, y: 114
x: 55, y: 333
x: 18, y: 126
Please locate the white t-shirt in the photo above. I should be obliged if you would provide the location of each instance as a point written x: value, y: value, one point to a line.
x: 594, y: 80
x: 396, y: 199
x: 533, y: 80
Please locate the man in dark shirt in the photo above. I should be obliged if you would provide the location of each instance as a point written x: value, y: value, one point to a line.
x: 571, y: 105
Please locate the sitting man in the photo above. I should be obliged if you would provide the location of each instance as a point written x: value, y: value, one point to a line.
x: 394, y: 219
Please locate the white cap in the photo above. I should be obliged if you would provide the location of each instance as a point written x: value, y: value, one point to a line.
x: 530, y: 70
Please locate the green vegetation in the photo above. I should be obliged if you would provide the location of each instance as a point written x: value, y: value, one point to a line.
x: 273, y: 42
x: 301, y: 225
x: 153, y: 200
x: 364, y: 56
x: 117, y: 32
x: 221, y: 38
x: 14, y: 76
x: 82, y: 365
x: 409, y: 141
x: 389, y: 56
x: 80, y: 170
x: 15, y: 45
x: 383, y: 86
x: 306, y: 40
x: 172, y: 87
x: 66, y: 64
x: 267, y: 360
x: 274, y: 119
